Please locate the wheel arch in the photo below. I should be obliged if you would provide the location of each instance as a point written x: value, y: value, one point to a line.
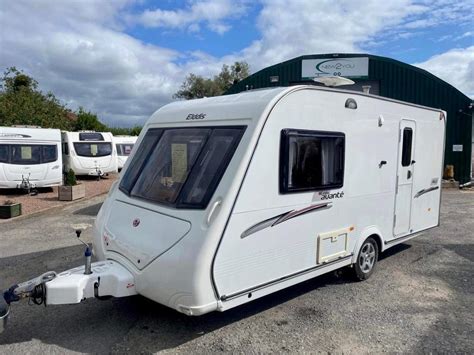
x: 373, y: 232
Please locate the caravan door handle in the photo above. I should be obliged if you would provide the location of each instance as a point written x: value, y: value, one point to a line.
x: 409, y: 174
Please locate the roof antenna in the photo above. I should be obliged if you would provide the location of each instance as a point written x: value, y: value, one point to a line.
x: 334, y: 81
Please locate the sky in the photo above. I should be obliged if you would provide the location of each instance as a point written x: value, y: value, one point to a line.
x: 124, y: 59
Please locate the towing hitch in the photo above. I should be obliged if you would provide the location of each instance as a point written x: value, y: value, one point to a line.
x: 99, y: 279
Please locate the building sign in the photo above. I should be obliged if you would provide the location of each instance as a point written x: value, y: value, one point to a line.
x: 347, y: 67
x: 457, y: 147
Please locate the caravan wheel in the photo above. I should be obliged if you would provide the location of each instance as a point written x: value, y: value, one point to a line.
x: 366, y: 260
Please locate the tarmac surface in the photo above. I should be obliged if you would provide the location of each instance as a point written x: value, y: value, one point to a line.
x: 420, y: 299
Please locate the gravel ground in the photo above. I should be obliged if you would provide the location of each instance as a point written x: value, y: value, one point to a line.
x: 48, y: 197
x: 419, y: 300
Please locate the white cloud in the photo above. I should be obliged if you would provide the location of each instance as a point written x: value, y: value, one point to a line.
x: 455, y: 67
x: 79, y: 51
x: 213, y: 13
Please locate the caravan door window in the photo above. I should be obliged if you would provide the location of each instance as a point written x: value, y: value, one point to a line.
x: 311, y: 160
x: 406, y: 148
x: 180, y: 167
x: 93, y: 149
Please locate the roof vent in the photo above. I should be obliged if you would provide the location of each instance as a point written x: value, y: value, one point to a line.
x: 334, y: 81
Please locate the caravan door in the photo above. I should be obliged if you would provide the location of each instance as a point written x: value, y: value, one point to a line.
x: 405, y: 170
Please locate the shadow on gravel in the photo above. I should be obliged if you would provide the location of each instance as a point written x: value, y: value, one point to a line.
x: 464, y: 250
x: 89, y: 211
x: 19, y: 192
x: 102, y: 326
x: 394, y: 250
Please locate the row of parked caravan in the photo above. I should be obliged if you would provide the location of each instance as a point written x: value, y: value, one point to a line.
x: 38, y: 157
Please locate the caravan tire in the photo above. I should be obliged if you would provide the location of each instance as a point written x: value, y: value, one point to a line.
x: 366, y: 260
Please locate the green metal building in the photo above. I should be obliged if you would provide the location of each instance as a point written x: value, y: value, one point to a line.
x: 385, y: 77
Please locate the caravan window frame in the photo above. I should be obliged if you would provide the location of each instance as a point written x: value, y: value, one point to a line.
x: 284, y: 173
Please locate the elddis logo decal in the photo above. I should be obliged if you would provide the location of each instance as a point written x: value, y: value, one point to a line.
x: 194, y: 116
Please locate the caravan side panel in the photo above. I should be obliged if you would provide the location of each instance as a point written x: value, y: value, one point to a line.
x: 319, y: 227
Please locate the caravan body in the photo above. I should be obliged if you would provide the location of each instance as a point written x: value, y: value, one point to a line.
x: 228, y: 199
x: 89, y: 153
x: 30, y: 155
x: 124, y: 146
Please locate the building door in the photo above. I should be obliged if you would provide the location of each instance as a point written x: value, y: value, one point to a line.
x: 405, y: 171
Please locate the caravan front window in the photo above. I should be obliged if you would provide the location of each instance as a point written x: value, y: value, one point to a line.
x: 93, y: 149
x: 28, y: 154
x: 3, y: 153
x: 311, y: 160
x: 180, y: 167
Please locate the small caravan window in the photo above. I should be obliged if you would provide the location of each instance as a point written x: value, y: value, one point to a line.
x: 180, y: 167
x: 93, y: 149
x: 124, y: 149
x: 311, y: 160
x: 406, y: 148
x: 91, y: 136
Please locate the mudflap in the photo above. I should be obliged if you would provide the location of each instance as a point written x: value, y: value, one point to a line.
x: 108, y: 278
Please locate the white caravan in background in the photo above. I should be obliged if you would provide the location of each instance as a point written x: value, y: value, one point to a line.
x: 30, y: 157
x: 228, y: 199
x: 89, y: 153
x: 124, y: 146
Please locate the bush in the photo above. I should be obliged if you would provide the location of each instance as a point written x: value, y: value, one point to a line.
x: 70, y: 178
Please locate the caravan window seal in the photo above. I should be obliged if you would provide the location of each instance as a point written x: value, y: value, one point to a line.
x: 284, y: 170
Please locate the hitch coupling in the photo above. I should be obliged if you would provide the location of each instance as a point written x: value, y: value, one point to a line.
x: 34, y: 289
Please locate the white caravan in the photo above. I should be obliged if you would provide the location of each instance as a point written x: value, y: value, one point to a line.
x: 231, y: 198
x: 124, y: 146
x: 89, y: 153
x: 30, y: 157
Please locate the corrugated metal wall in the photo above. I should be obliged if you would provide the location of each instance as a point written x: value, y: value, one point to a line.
x: 398, y: 81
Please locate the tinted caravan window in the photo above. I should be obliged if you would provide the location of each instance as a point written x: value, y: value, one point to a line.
x: 28, y: 154
x: 124, y: 149
x: 49, y: 153
x: 93, y: 149
x: 180, y: 167
x: 91, y: 136
x: 311, y: 160
x: 4, y: 153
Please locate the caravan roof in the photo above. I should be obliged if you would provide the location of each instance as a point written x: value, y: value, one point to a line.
x: 251, y: 105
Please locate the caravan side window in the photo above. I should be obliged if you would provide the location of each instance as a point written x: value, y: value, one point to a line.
x: 311, y: 160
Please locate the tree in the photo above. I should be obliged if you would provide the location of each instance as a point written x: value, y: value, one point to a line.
x: 22, y: 103
x: 88, y: 121
x: 121, y: 131
x: 196, y: 86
